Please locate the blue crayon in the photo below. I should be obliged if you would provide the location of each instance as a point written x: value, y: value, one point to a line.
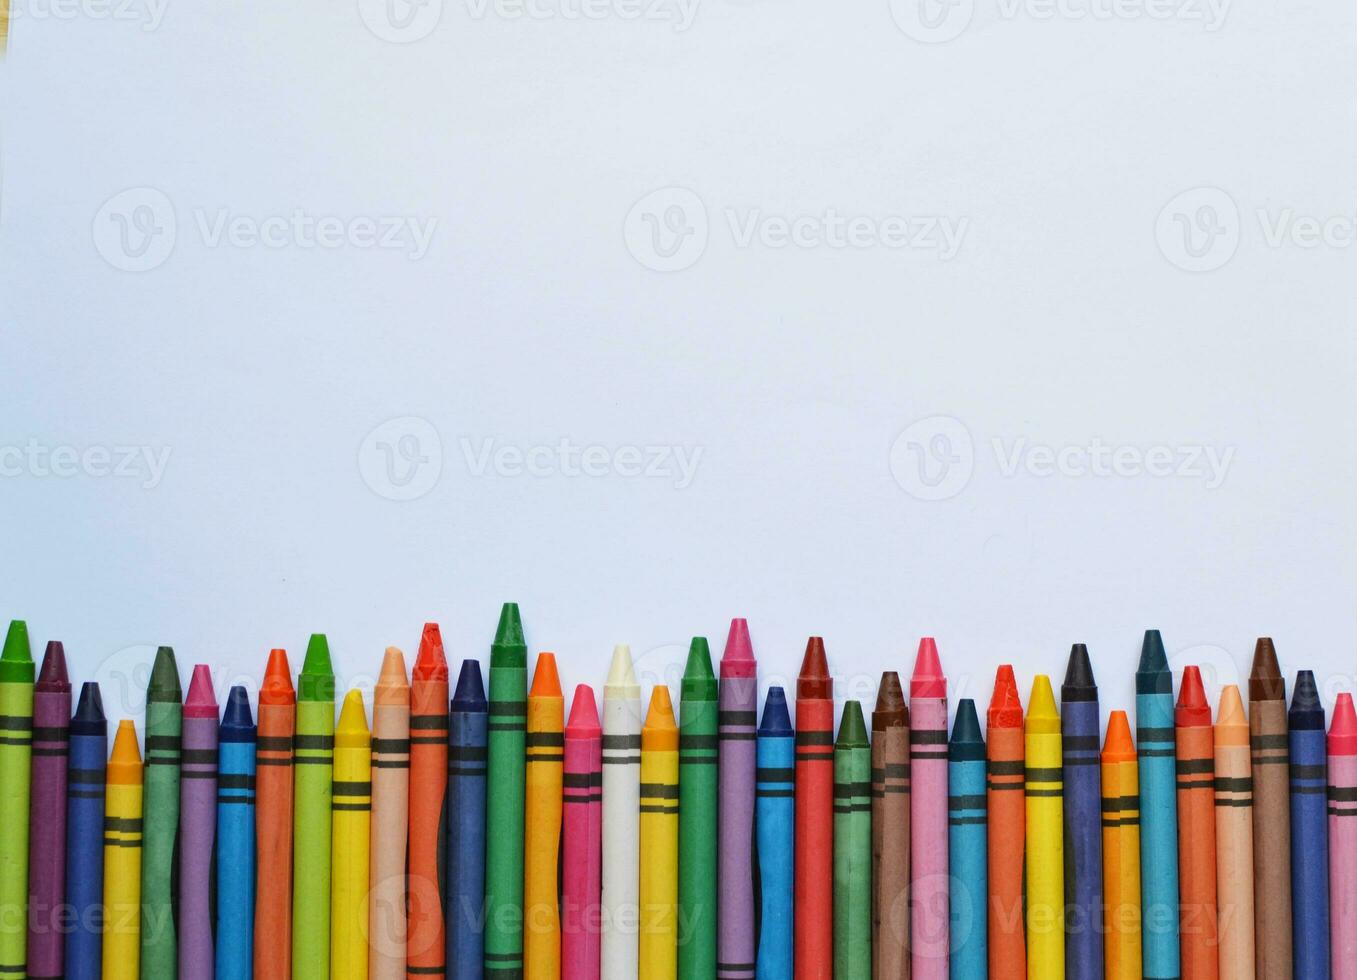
x: 1309, y: 831
x: 85, y: 835
x: 466, y: 825
x: 774, y: 823
x: 968, y: 845
x: 1080, y: 731
x: 235, y: 839
x: 1157, y: 756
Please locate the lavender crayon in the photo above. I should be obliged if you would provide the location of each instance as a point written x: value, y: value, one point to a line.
x: 197, y: 827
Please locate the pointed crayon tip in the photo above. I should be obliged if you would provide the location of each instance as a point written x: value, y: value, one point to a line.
x: 1042, y: 717
x: 393, y: 687
x: 317, y: 659
x: 927, y: 680
x: 621, y: 675
x: 470, y: 693
x: 431, y: 664
x: 1265, y: 678
x: 353, y: 717
x: 699, y: 681
x: 852, y: 728
x: 53, y: 675
x: 1193, y: 710
x: 237, y: 712
x: 1152, y: 673
x: 1118, y: 746
x: 1232, y: 725
x: 89, y: 716
x: 202, y: 700
x: 509, y: 648
x: 583, y: 721
x: 1307, y: 710
x: 17, y: 648
x: 1343, y: 730
x: 316, y: 682
x: 277, y: 686
x: 164, y: 685
x: 1079, y: 684
x: 1005, y: 706
x: 738, y: 659
x: 967, y: 743
x: 124, y: 764
x: 777, y: 720
x: 890, y: 711
x: 814, y: 682
x: 660, y: 713
x: 546, y: 682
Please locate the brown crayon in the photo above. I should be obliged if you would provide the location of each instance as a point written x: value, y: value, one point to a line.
x: 890, y: 831
x: 1272, y: 814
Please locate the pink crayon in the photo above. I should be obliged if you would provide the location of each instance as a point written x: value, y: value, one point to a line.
x: 1343, y: 840
x: 197, y: 827
x: 737, y: 743
x: 582, y: 840
x: 929, y: 900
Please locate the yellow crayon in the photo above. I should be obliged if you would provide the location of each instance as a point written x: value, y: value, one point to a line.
x: 122, y: 858
x: 351, y: 822
x: 1045, y: 837
x: 659, y: 839
x: 1121, y: 852
x: 542, y: 841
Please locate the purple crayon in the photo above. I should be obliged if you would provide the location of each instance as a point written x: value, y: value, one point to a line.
x: 197, y: 827
x: 47, y: 816
x: 738, y: 720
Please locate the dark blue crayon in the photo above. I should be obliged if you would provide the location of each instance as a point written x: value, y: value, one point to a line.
x: 235, y: 839
x: 968, y: 844
x: 775, y: 824
x: 1080, y: 731
x: 85, y: 836
x: 466, y: 825
x: 1309, y: 831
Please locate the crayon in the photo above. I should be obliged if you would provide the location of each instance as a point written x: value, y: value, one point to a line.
x: 390, y: 819
x: 47, y: 817
x: 890, y: 831
x: 85, y: 835
x: 774, y: 825
x: 1121, y: 852
x: 164, y: 727
x: 426, y: 944
x: 813, y: 864
x: 735, y: 959
x: 1271, y: 759
x: 1342, y: 839
x: 350, y: 856
x: 197, y: 827
x: 1158, y: 812
x: 698, y: 788
x: 967, y: 837
x: 504, y: 799
x: 852, y: 848
x: 1234, y: 838
x: 466, y: 815
x: 313, y: 760
x: 930, y: 941
x: 621, y: 817
x: 1309, y: 830
x: 122, y: 858
x: 1045, y: 836
x: 1006, y: 802
x: 16, y: 747
x: 582, y: 839
x: 545, y: 752
x: 1080, y: 727
x: 235, y: 839
x: 273, y: 820
x: 659, y: 840
x: 1196, y: 829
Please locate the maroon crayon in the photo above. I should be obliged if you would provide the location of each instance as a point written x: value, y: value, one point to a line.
x: 47, y: 816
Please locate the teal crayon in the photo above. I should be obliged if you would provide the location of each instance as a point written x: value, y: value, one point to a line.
x: 774, y: 825
x: 967, y: 837
x: 1157, y: 753
x: 235, y: 839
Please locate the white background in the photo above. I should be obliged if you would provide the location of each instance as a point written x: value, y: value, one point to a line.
x: 1072, y: 146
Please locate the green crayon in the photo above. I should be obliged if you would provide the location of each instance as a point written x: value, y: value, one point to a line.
x: 16, y: 758
x: 313, y: 749
x: 504, y: 799
x: 160, y: 826
x: 852, y: 848
x: 698, y: 793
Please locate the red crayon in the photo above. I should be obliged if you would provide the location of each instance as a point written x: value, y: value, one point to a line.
x: 1006, y: 750
x: 814, y: 860
x: 582, y: 840
x: 1196, y: 748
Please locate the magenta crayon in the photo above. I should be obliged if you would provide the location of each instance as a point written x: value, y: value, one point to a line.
x: 1343, y: 839
x: 197, y: 827
x: 737, y: 718
x: 47, y: 817
x: 929, y: 905
x: 582, y: 840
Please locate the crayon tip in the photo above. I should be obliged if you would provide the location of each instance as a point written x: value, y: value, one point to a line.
x: 814, y: 682
x: 891, y: 711
x: 509, y: 648
x: 583, y: 720
x: 316, y: 682
x: 927, y: 680
x: 277, y: 686
x: 89, y: 716
x: 1005, y: 707
x: 164, y: 685
x: 392, y: 686
x: 17, y: 648
x: 125, y: 750
x: 1192, y: 711
x: 430, y: 662
x: 1079, y: 684
x: 353, y: 719
x: 201, y: 701
x: 1265, y: 678
x: 546, y: 682
x: 1232, y: 726
x: 738, y: 659
x: 1042, y: 717
x: 967, y: 744
x: 53, y: 675
x: 1118, y: 747
x: 1343, y: 730
x: 852, y: 729
x: 1152, y: 674
x: 1307, y: 711
x: 777, y: 720
x: 621, y: 675
x: 237, y: 712
x: 660, y: 713
x: 470, y: 693
x: 699, y: 682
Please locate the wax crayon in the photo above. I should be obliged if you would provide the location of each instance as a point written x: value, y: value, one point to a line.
x: 582, y: 839
x: 235, y: 839
x: 390, y: 819
x: 350, y: 856
x: 1158, y: 812
x: 84, y: 835
x: 313, y: 758
x: 1234, y: 838
x: 426, y: 943
x: 197, y: 827
x: 16, y: 747
x: 545, y: 752
x: 814, y: 861
x: 852, y: 848
x: 504, y: 801
x: 890, y: 831
x: 659, y: 840
x: 967, y: 845
x: 47, y: 817
x: 774, y: 825
x: 1045, y: 836
x: 621, y: 817
x: 1309, y: 831
x: 467, y: 735
x: 930, y: 941
x: 1271, y: 815
x: 164, y: 728
x: 1196, y: 749
x: 1121, y: 852
x: 1007, y: 806
x: 735, y: 958
x: 698, y: 788
x: 1080, y: 727
x: 1342, y: 839
x: 273, y: 820
x: 123, y: 840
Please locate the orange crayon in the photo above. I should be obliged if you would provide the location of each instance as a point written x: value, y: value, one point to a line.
x: 273, y: 820
x: 1005, y: 748
x: 426, y: 947
x: 1196, y: 830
